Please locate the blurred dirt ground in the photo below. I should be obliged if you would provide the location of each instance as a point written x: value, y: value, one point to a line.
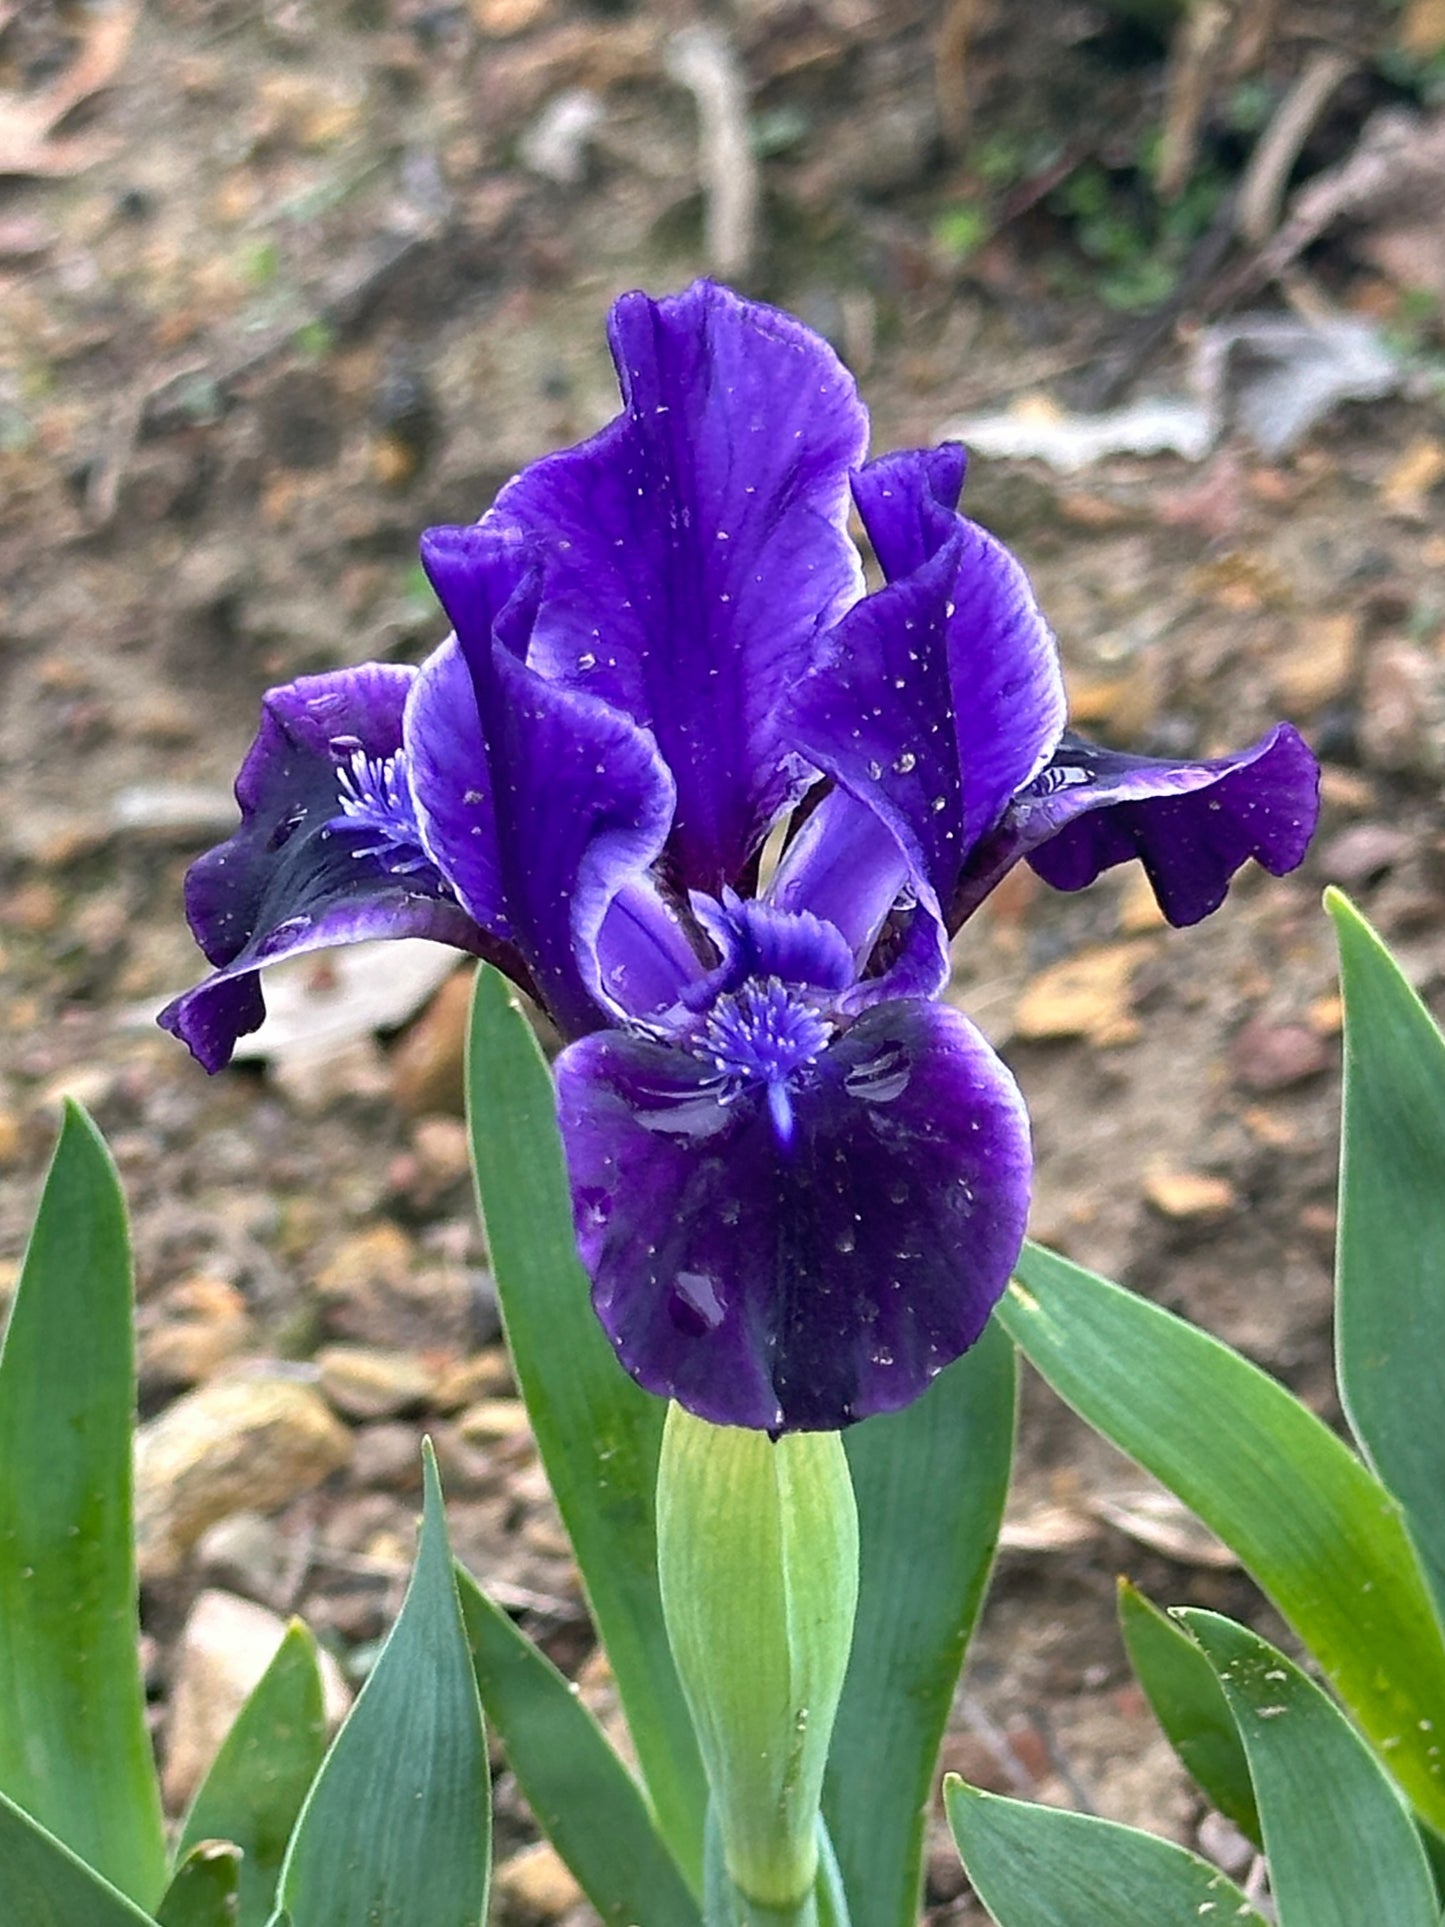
x: 284, y: 284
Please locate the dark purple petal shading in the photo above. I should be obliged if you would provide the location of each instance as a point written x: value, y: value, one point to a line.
x: 1192, y: 825
x: 697, y: 547
x: 300, y: 873
x: 539, y: 802
x: 941, y: 694
x: 797, y: 1286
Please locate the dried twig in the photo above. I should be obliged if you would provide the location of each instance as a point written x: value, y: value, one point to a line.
x: 1400, y: 157
x: 1261, y: 193
x: 981, y: 1722
x: 702, y: 58
x: 1195, y: 61
x: 950, y: 67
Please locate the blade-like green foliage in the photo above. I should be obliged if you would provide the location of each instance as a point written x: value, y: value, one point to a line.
x: 1040, y: 1867
x: 43, y: 1884
x: 1390, y: 1263
x: 259, y: 1778
x: 599, y: 1435
x: 930, y: 1483
x: 206, y: 1888
x: 74, y: 1750
x: 1342, y: 1846
x: 396, y: 1830
x: 1299, y: 1509
x: 1189, y: 1704
x: 582, y: 1796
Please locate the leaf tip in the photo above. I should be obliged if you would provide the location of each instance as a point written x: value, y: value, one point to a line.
x: 432, y: 1502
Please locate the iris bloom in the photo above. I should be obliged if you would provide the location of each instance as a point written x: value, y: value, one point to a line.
x: 800, y: 1179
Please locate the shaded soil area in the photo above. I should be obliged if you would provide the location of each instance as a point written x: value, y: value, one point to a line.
x: 284, y: 285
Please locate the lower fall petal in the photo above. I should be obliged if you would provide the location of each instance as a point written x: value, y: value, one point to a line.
x: 327, y: 852
x: 1192, y: 825
x: 795, y: 1258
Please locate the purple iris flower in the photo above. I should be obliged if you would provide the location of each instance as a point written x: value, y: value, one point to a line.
x: 800, y: 1179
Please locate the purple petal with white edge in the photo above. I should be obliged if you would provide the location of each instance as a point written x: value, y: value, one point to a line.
x: 697, y: 548
x: 1192, y: 825
x: 328, y: 852
x: 804, y: 1277
x: 539, y: 802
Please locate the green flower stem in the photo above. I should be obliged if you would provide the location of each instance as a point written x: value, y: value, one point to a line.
x: 724, y: 1906
x: 758, y: 1561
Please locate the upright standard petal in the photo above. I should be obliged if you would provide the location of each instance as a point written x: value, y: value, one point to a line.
x: 1192, y: 825
x: 1006, y: 685
x: 697, y: 547
x: 941, y: 693
x: 328, y: 852
x: 541, y: 803
x: 801, y: 1266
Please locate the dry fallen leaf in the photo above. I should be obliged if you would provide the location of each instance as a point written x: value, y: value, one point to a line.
x: 1420, y: 469
x: 1422, y: 28
x: 1160, y: 1521
x: 1047, y: 1528
x: 1084, y: 996
x: 28, y: 122
x: 1320, y: 664
x: 1188, y: 1194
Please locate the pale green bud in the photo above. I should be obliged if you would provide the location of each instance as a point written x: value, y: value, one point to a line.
x: 758, y: 1558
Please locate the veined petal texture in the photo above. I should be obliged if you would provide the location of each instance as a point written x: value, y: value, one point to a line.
x: 697, y: 548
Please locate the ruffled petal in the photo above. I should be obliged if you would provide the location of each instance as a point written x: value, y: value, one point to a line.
x: 755, y: 939
x: 1192, y: 825
x: 697, y: 547
x: 941, y: 695
x: 909, y: 504
x: 328, y: 852
x: 798, y: 1287
x: 539, y: 802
